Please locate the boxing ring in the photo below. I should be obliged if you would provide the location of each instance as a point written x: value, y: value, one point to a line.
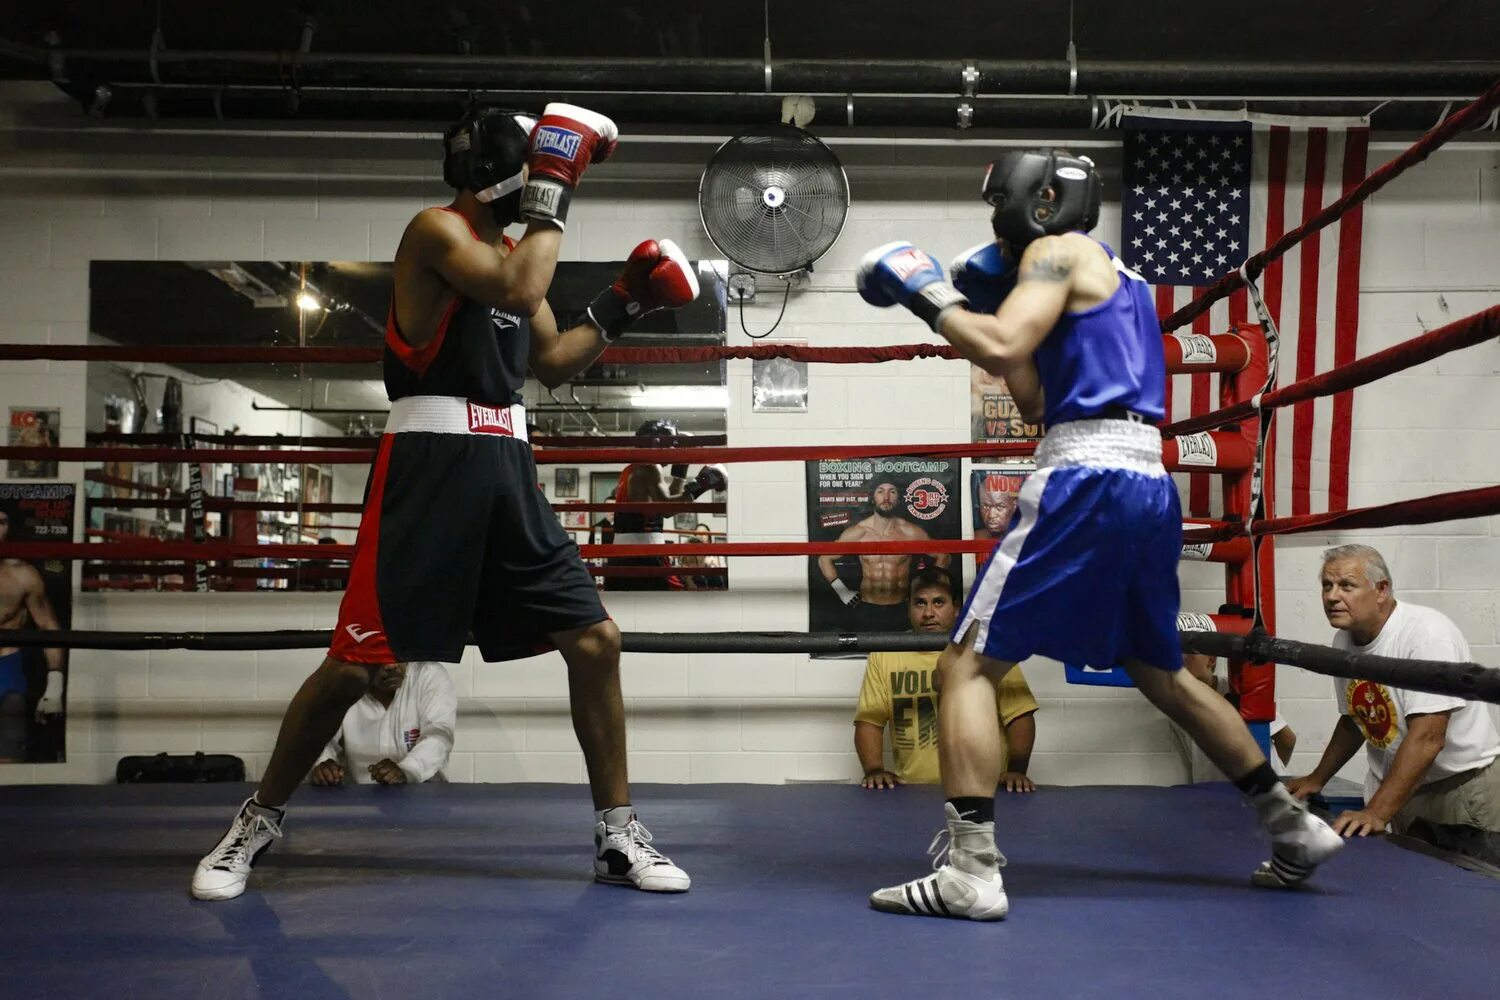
x: 483, y: 889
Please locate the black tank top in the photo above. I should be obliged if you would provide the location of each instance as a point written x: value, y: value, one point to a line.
x: 478, y: 352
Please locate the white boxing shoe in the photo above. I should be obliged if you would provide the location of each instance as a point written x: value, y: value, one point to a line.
x: 974, y: 891
x: 1300, y: 841
x: 223, y: 871
x: 623, y: 855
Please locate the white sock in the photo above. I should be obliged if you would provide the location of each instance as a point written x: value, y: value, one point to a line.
x: 615, y: 816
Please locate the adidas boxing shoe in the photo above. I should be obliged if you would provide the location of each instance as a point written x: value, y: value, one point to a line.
x: 1300, y: 841
x: 968, y: 886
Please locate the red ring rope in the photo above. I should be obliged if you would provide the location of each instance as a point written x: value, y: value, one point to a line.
x: 1467, y: 331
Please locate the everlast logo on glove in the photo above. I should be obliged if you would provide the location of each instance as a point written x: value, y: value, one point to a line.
x: 490, y: 420
x: 542, y: 199
x: 908, y: 262
x: 557, y: 141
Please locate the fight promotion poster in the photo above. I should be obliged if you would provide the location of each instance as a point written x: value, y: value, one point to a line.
x: 34, y: 595
x: 33, y: 428
x: 872, y: 500
x: 993, y: 493
x: 993, y: 414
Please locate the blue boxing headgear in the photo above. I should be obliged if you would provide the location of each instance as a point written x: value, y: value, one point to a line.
x: 485, y: 154
x: 1041, y: 192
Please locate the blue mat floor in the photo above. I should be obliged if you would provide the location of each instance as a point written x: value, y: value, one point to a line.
x: 486, y: 891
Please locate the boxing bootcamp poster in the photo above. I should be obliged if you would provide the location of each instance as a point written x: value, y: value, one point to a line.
x: 33, y: 593
x: 993, y: 414
x: 993, y: 493
x: 871, y: 500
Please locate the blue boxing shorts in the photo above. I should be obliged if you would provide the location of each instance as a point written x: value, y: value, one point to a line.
x: 1087, y: 572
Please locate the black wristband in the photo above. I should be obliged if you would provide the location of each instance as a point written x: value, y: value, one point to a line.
x: 679, y: 471
x: 935, y: 299
x: 546, y: 200
x: 610, y: 313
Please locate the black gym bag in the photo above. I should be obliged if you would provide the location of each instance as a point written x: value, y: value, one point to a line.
x: 198, y: 767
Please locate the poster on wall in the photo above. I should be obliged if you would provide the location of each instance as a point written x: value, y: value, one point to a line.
x: 778, y: 385
x: 872, y: 500
x: 33, y: 428
x: 993, y: 493
x: 34, y: 594
x: 993, y: 414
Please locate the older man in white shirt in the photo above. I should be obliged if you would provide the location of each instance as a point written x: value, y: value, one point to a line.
x: 400, y: 732
x: 1431, y: 757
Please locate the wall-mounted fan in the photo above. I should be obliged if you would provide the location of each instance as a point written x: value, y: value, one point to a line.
x: 774, y: 199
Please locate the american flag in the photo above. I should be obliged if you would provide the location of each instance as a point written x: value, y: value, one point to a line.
x: 1200, y: 195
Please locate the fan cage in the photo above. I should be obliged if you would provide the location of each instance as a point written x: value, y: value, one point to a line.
x: 773, y: 200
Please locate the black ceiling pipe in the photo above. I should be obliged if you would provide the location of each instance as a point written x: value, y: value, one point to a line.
x: 724, y: 111
x: 1182, y: 78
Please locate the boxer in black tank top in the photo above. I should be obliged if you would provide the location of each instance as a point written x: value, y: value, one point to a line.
x: 456, y: 538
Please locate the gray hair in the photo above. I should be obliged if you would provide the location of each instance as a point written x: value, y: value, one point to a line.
x: 1374, y: 563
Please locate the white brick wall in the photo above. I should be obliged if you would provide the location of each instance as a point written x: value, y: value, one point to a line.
x: 1430, y: 257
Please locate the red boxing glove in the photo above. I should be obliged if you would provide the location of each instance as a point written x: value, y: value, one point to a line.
x: 657, y: 275
x: 709, y: 478
x: 564, y: 142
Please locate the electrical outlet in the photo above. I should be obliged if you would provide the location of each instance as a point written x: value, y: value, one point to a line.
x: 742, y: 287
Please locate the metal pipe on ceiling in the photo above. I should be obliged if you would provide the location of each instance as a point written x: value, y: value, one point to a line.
x: 263, y: 104
x: 869, y: 76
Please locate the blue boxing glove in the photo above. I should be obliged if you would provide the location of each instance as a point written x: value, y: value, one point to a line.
x: 900, y: 273
x: 984, y: 276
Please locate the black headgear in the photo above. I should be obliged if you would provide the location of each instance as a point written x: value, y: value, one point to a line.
x: 656, y: 428
x: 1041, y: 192
x: 485, y: 153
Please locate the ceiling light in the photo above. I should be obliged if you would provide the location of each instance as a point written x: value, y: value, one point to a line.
x: 682, y: 397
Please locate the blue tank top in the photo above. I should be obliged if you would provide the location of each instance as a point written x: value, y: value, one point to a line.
x: 478, y: 352
x: 1107, y: 356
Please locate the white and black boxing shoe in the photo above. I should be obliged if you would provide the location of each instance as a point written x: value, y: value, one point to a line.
x: 223, y: 871
x: 1300, y: 841
x: 947, y: 892
x: 623, y: 855
x: 965, y: 883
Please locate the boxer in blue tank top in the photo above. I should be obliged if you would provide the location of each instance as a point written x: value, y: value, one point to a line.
x: 1088, y: 571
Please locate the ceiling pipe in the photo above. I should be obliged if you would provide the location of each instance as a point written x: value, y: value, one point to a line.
x: 1055, y: 76
x: 705, y: 110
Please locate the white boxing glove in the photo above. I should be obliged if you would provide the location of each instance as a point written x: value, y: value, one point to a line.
x: 51, y: 703
x: 849, y: 596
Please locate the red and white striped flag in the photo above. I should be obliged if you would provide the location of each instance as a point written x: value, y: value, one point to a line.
x: 1296, y: 167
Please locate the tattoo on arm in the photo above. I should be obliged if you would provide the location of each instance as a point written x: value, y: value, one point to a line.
x: 1055, y: 264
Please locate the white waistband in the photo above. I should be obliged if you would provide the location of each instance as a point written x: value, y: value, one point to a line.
x: 640, y: 538
x: 1108, y: 444
x: 455, y: 415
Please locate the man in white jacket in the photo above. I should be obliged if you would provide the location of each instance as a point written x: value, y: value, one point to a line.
x: 401, y: 730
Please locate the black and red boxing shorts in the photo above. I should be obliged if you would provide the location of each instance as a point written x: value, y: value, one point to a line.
x: 655, y: 581
x: 456, y: 539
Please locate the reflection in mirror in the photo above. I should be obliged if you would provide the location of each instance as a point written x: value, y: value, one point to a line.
x: 341, y: 406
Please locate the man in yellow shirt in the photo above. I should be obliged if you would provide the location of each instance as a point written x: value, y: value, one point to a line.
x: 902, y: 689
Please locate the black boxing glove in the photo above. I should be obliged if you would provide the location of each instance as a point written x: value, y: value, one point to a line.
x: 710, y: 477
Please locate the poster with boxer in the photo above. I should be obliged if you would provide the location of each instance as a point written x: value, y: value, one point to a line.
x: 33, y: 428
x: 993, y: 493
x: 873, y: 500
x: 34, y: 594
x: 993, y: 414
